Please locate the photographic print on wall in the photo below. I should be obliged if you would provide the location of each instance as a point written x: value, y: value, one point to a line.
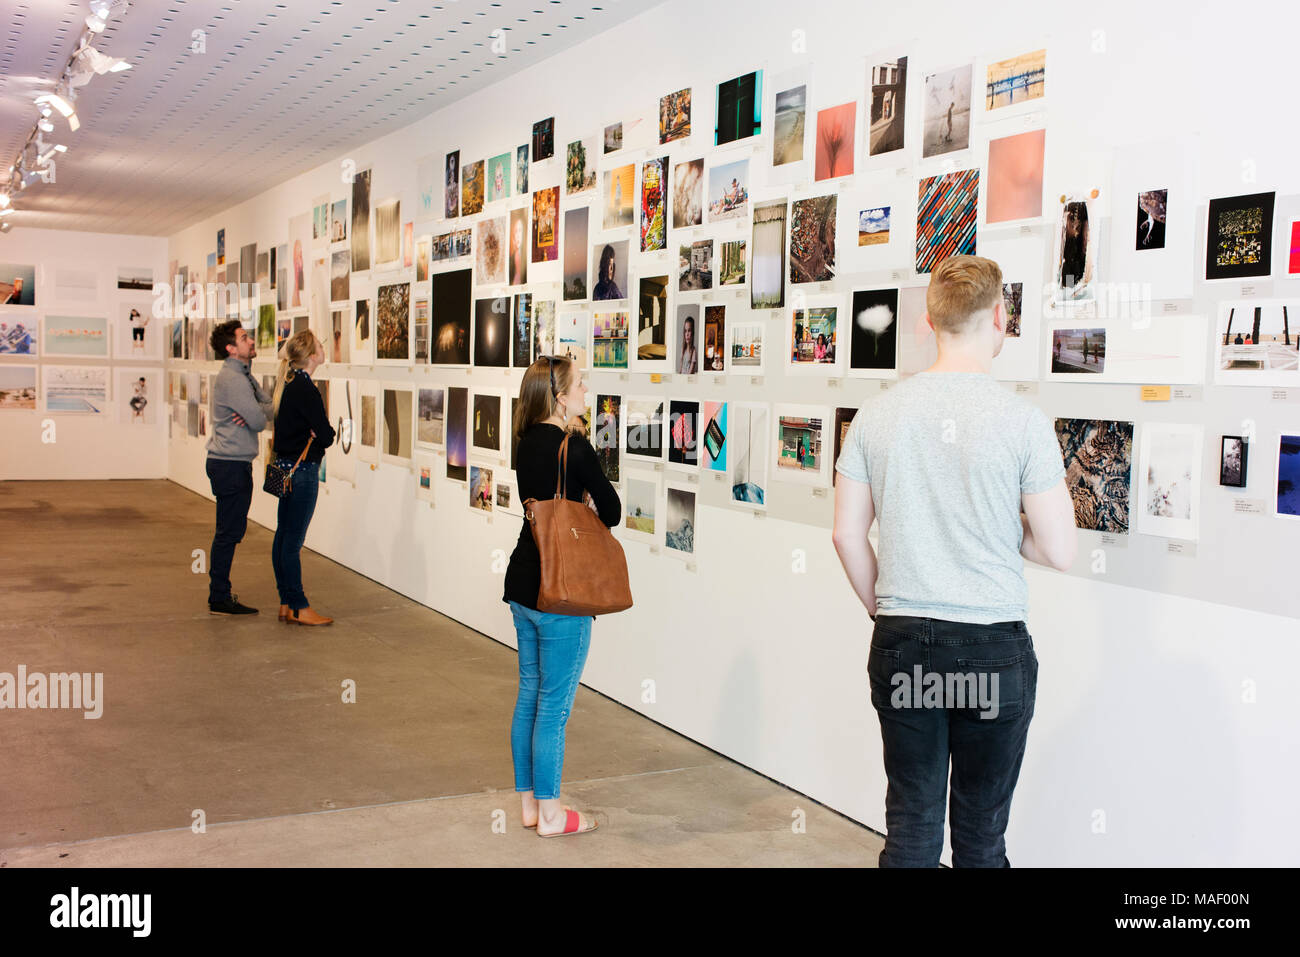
x: 609, y: 340
x: 801, y: 443
x: 498, y: 177
x: 518, y: 272
x: 674, y: 116
x: 1015, y: 81
x: 947, y: 112
x: 731, y: 263
x: 1079, y: 350
x: 485, y: 418
x: 388, y: 235
x: 472, y: 186
x: 873, y: 342
x: 18, y: 335
x: 543, y: 328
x: 1255, y: 344
x: 490, y: 243
x: 748, y: 434
x: 683, y: 434
x: 679, y: 520
x: 77, y: 389
x: 686, y: 351
x: 521, y: 330
x: 1015, y: 171
x: 546, y: 216
x: 695, y: 266
x: 575, y: 253
x: 17, y: 388
x: 873, y: 226
x: 605, y: 435
x: 492, y: 332
x: 1232, y: 461
x: 888, y: 81
x: 451, y: 186
x: 620, y: 198
x: 767, y: 280
x: 654, y: 204
x: 836, y: 135
x: 609, y: 270
x: 397, y: 424
x: 713, y: 436
x: 360, y: 221
x: 77, y: 336
x: 814, y: 336
x: 393, y: 319
x: 521, y: 170
x: 614, y: 137
x: 1074, y: 274
x: 571, y: 334
x: 480, y: 488
x: 643, y: 427
x: 714, y: 338
x: 729, y: 191
x: 789, y: 124
x: 812, y: 239
x: 339, y: 221
x: 740, y: 108
x: 642, y: 504
x: 580, y: 166
x: 1287, y: 502
x: 1239, y: 237
x: 1169, y: 480
x: 543, y: 139
x: 745, y: 346
x: 688, y: 194
x: 652, y: 320
x: 1098, y: 458
x: 946, y: 215
x: 1152, y: 208
x: 457, y: 432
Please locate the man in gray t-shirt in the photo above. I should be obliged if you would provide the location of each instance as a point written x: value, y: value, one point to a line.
x: 966, y: 480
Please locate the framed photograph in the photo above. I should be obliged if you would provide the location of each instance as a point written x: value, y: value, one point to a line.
x: 1287, y: 502
x: 1232, y: 461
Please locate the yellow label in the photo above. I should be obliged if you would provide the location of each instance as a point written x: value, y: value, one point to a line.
x: 1155, y: 393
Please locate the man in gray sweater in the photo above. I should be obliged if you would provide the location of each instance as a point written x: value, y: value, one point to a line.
x: 240, y: 410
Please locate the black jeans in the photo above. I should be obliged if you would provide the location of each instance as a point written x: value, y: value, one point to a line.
x: 944, y: 691
x: 232, y: 484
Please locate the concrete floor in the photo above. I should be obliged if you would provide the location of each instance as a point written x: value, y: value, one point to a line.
x: 241, y: 719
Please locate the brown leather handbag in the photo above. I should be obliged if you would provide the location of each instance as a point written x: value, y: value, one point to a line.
x: 584, y: 571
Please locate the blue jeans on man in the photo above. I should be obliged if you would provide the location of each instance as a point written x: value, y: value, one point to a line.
x: 984, y: 744
x: 552, y: 652
x: 295, y: 512
x: 232, y: 484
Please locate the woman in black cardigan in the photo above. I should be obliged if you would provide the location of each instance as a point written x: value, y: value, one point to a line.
x: 300, y: 418
x: 552, y: 647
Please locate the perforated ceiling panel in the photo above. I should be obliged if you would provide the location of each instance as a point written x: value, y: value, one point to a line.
x: 276, y: 88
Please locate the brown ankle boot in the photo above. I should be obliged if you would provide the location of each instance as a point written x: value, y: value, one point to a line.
x: 305, y: 616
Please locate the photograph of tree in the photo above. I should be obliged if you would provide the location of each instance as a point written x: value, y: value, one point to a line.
x: 393, y: 316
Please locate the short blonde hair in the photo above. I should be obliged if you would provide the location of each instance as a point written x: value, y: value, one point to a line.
x: 959, y: 287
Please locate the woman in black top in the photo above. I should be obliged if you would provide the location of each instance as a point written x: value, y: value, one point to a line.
x: 552, y: 647
x: 300, y: 418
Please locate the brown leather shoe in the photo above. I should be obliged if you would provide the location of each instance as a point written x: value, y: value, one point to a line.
x: 305, y: 616
x: 284, y: 612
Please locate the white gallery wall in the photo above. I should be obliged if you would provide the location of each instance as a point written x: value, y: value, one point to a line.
x: 1164, y: 732
x: 76, y: 277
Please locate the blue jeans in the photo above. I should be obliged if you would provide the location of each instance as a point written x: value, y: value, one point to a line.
x: 232, y: 485
x: 979, y: 722
x: 296, y: 508
x: 552, y: 652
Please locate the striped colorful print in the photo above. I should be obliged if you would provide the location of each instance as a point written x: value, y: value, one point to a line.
x: 946, y: 209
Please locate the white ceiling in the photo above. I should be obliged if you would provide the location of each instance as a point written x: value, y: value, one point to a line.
x: 281, y: 87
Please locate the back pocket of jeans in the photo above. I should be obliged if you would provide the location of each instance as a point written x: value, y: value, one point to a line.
x: 882, y: 665
x: 998, y: 688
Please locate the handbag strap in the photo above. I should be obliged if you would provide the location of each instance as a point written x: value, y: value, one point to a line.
x: 301, y: 457
x: 562, y: 466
